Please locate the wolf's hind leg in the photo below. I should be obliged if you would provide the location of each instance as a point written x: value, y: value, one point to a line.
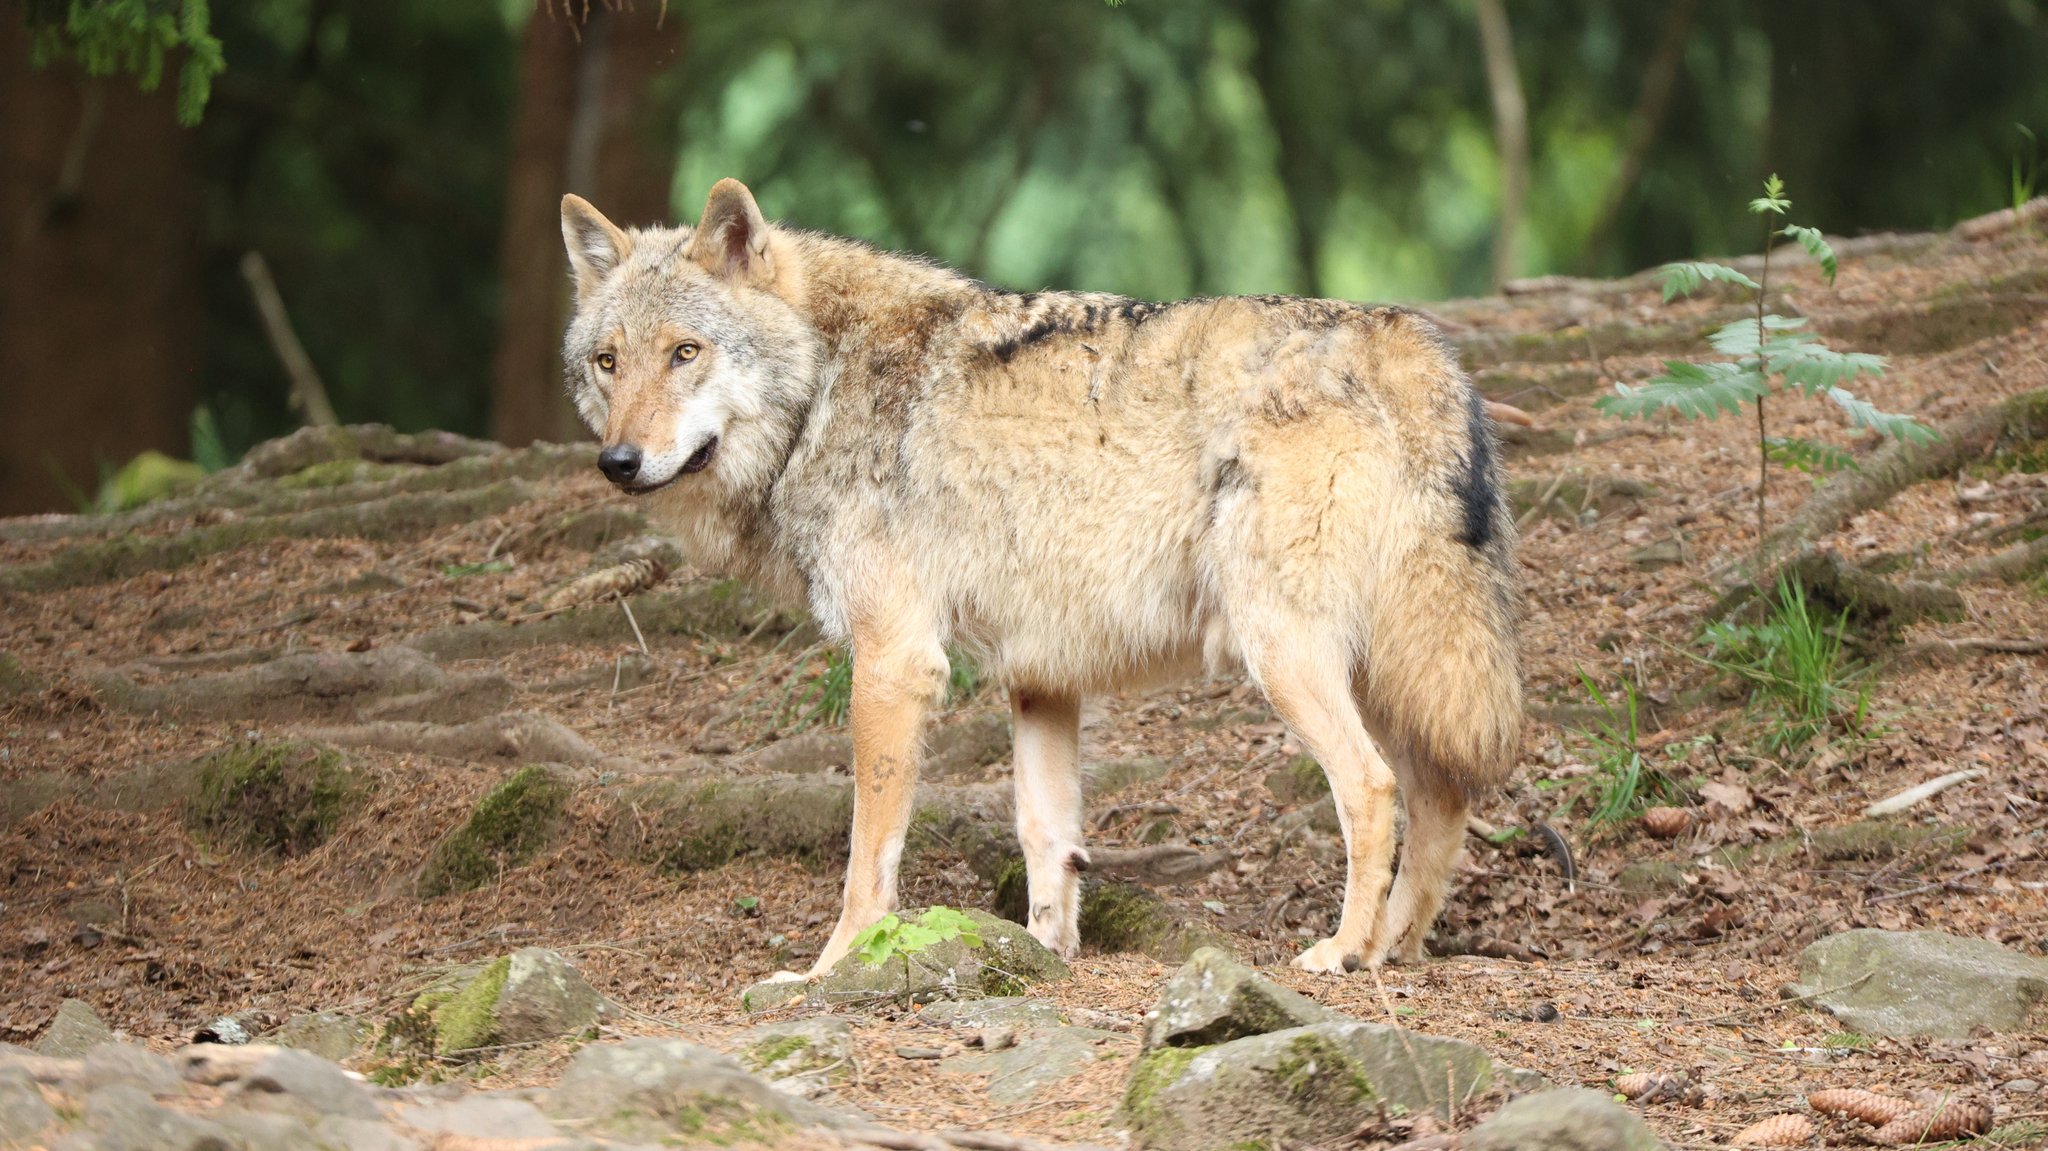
x: 894, y: 680
x: 1307, y: 677
x: 1048, y: 781
x: 1436, y: 833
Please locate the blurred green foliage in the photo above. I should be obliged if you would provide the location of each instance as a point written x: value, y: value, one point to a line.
x: 1157, y: 147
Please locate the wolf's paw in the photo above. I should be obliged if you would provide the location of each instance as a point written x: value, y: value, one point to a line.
x: 1062, y: 939
x: 1327, y: 958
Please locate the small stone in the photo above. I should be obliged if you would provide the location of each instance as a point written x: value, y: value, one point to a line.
x: 298, y: 1080
x: 1904, y: 983
x: 770, y: 994
x: 76, y: 1030
x: 1662, y: 554
x: 23, y: 1111
x: 118, y: 1064
x: 479, y: 1117
x: 998, y: 1037
x: 920, y: 1053
x: 2021, y: 1086
x: 1572, y: 1119
x: 804, y: 1057
x: 1214, y: 999
x: 1543, y: 1011
x: 328, y: 1034
x: 544, y: 998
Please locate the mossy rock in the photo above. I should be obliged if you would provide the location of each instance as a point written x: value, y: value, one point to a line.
x: 1877, y: 839
x: 1647, y: 876
x: 672, y: 1093
x: 1301, y: 781
x: 1313, y: 1084
x: 1115, y: 917
x: 509, y: 826
x: 529, y: 995
x: 286, y: 797
x: 1008, y: 962
x: 696, y: 825
x: 815, y: 1052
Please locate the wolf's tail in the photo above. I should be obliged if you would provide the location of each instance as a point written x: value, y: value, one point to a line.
x: 1442, y: 669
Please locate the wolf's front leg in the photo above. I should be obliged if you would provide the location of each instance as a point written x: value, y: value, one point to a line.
x: 1048, y: 780
x: 894, y: 681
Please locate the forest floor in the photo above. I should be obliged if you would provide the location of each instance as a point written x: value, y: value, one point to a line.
x: 1662, y: 955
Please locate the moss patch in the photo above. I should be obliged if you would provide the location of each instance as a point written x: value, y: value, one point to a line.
x: 284, y: 797
x: 468, y: 1019
x: 512, y: 822
x: 334, y: 473
x: 1301, y: 781
x: 16, y: 680
x: 1875, y: 839
x: 696, y: 825
x: 1312, y: 1066
x: 1154, y: 1072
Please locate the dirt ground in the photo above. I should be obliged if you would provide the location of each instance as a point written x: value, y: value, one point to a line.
x: 1662, y: 955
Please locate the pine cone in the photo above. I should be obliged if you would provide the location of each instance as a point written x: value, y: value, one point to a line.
x: 1777, y: 1131
x: 622, y: 579
x: 1667, y: 822
x: 1957, y: 1119
x: 1872, y: 1108
x: 1652, y: 1086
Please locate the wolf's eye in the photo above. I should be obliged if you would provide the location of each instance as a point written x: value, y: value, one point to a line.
x: 686, y: 351
x: 606, y: 361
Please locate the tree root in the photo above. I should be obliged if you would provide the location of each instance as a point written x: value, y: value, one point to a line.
x: 520, y: 736
x: 392, y: 682
x: 1835, y: 588
x: 1899, y: 465
x: 712, y: 610
x: 394, y: 517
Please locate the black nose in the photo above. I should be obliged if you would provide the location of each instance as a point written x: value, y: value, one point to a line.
x: 620, y: 463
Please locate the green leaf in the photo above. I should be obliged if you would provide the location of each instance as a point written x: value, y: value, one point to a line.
x: 1816, y: 245
x: 951, y: 924
x: 1809, y: 456
x: 1813, y: 367
x: 1739, y: 338
x: 878, y: 943
x: 1684, y: 278
x: 1773, y: 199
x: 1699, y: 391
x: 912, y: 938
x: 1866, y: 414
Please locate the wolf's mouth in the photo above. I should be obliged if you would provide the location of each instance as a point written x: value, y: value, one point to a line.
x: 698, y: 461
x: 701, y: 458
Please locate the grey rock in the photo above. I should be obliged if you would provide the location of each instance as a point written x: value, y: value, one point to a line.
x: 297, y: 1080
x: 270, y: 1131
x: 1573, y: 1119
x: 126, y: 1119
x: 480, y: 1117
x: 2021, y: 1086
x: 770, y: 994
x: 22, y: 1109
x: 1311, y: 1084
x: 803, y: 1057
x: 979, y: 1013
x: 1042, y: 1057
x: 544, y: 998
x: 1008, y: 962
x: 328, y: 1034
x: 342, y: 1131
x: 653, y: 1089
x: 1214, y: 999
x: 1901, y: 983
x: 112, y: 1064
x: 76, y: 1030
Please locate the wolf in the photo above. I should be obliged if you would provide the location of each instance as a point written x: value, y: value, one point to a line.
x: 1089, y: 493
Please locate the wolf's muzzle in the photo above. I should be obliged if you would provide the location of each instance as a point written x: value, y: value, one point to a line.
x: 620, y: 463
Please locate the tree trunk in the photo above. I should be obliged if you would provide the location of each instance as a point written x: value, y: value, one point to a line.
x: 584, y: 124
x: 1510, y: 134
x: 99, y: 260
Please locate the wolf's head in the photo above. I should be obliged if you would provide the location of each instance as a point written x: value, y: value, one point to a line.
x: 685, y: 354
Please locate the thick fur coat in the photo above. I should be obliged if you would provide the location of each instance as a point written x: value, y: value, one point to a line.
x: 1090, y: 493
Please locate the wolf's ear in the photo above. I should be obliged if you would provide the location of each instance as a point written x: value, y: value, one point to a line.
x: 595, y: 244
x: 732, y: 239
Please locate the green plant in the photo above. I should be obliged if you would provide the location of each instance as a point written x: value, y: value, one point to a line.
x: 828, y: 696
x: 2026, y: 175
x: 1795, y: 659
x: 894, y: 937
x: 136, y: 36
x: 1764, y: 355
x: 1624, y: 782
